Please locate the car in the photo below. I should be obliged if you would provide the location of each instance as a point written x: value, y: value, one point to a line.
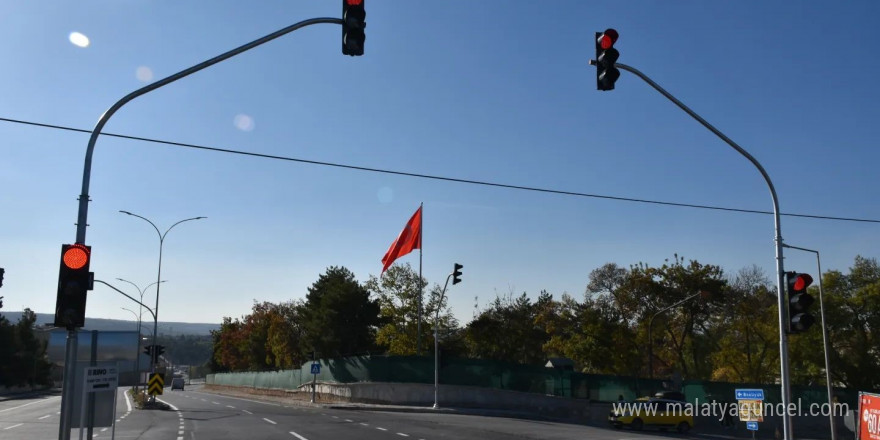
x: 661, y: 413
x: 177, y: 383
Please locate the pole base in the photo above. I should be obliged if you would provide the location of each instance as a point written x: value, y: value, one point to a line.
x: 436, y: 406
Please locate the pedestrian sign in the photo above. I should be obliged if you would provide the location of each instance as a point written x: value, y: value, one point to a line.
x: 155, y: 384
x: 316, y: 368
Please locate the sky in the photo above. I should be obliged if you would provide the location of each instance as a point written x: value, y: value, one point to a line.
x: 493, y: 91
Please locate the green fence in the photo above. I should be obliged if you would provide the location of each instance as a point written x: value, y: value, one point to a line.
x: 514, y: 377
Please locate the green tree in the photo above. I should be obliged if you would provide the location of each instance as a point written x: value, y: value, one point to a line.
x: 508, y: 330
x: 339, y: 318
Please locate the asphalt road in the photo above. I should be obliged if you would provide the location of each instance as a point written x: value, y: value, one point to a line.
x: 37, y: 418
x: 215, y: 416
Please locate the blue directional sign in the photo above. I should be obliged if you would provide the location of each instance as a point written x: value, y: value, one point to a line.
x: 752, y: 426
x: 749, y: 394
x: 316, y: 368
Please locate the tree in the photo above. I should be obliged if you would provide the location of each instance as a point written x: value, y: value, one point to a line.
x: 339, y: 318
x: 24, y: 355
x: 508, y: 331
x: 747, y: 331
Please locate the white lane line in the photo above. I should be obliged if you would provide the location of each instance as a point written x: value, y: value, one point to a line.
x: 216, y: 403
x: 230, y: 406
x: 127, y: 402
x: 298, y: 436
x: 180, y: 437
x: 32, y: 403
x: 174, y: 408
x: 335, y: 417
x: 41, y: 418
x: 180, y: 432
x: 402, y: 434
x: 57, y: 413
x: 13, y: 426
x: 269, y: 421
x: 381, y: 429
x: 248, y: 400
x: 247, y: 411
x: 103, y: 429
x: 364, y: 424
x: 349, y: 420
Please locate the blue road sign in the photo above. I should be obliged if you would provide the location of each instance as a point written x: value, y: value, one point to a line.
x: 752, y: 426
x: 316, y: 368
x: 749, y: 394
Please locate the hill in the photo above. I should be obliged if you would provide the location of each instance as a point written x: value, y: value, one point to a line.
x: 165, y: 327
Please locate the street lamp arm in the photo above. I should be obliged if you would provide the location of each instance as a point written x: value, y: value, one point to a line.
x: 82, y: 217
x: 162, y: 236
x: 146, y: 220
x: 127, y: 296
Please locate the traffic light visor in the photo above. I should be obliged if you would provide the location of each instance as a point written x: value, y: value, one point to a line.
x: 802, y: 281
x: 76, y: 256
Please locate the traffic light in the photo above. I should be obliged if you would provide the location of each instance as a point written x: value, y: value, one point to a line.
x: 606, y: 56
x: 160, y: 350
x: 456, y: 274
x: 799, y: 320
x: 2, y: 271
x: 148, y: 350
x: 74, y: 281
x: 353, y: 24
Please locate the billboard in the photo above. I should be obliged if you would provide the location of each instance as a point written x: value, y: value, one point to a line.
x: 869, y: 417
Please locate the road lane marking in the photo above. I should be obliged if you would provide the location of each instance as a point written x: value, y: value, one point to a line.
x: 298, y: 436
x: 13, y: 426
x: 216, y: 403
x: 180, y: 432
x: 104, y: 429
x: 26, y: 404
x: 47, y: 415
x: 127, y: 402
x: 247, y: 411
x: 402, y: 434
x: 230, y: 406
x: 247, y: 400
x: 349, y: 420
x: 274, y: 423
x: 364, y: 424
x: 203, y: 400
x: 174, y: 408
x: 381, y: 429
x: 335, y: 417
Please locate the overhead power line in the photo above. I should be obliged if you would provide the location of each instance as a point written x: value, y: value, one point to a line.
x: 442, y: 178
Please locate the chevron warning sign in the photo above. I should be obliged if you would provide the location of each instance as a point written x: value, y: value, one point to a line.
x: 155, y: 384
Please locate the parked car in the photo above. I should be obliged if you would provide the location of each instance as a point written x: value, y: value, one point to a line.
x: 661, y: 413
x: 177, y: 383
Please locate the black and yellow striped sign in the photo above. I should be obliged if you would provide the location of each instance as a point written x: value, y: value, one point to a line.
x: 155, y: 384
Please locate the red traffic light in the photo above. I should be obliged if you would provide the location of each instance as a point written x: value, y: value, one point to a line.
x: 76, y: 256
x: 607, y: 39
x: 801, y: 282
x: 354, y: 2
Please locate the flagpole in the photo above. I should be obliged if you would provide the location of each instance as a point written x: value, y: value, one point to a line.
x: 421, y: 287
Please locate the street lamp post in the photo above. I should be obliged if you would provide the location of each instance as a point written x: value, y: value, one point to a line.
x: 437, y: 342
x: 139, y: 316
x: 651, y: 335
x: 159, y: 274
x: 824, y: 341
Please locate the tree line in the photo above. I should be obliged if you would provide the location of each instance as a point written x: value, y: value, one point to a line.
x: 22, y: 354
x: 627, y: 322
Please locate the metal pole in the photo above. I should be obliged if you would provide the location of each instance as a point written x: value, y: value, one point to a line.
x: 437, y: 343
x: 780, y: 271
x: 82, y: 216
x: 93, y: 361
x: 67, y: 386
x: 83, y: 211
x: 824, y: 342
x: 421, y: 286
x: 314, y: 379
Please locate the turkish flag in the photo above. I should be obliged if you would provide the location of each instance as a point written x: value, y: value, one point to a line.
x: 410, y: 238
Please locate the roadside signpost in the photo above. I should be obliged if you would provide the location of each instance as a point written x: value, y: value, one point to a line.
x: 98, y: 379
x: 751, y: 407
x: 316, y: 370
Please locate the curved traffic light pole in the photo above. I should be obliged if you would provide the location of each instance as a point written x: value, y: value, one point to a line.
x: 780, y: 272
x: 82, y: 216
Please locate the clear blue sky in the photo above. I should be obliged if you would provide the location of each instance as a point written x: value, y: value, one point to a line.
x: 497, y: 91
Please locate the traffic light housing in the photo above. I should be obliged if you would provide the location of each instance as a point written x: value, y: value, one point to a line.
x: 606, y: 56
x: 799, y: 301
x: 354, y: 18
x: 74, y: 281
x: 2, y: 272
x: 456, y: 274
x: 160, y: 350
x: 148, y: 350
